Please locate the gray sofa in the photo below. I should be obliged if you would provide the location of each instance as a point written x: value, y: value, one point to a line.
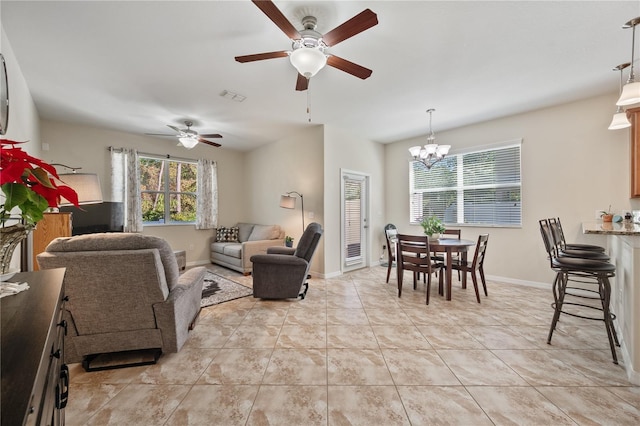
x: 125, y: 293
x: 233, y: 247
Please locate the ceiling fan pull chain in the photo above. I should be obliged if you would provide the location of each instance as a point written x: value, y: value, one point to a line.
x: 309, y: 103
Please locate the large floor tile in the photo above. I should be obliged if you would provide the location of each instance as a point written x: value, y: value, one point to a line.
x: 366, y: 406
x: 474, y: 367
x: 289, y: 405
x: 441, y: 405
x: 518, y: 406
x: 297, y: 367
x: 215, y: 405
x: 357, y: 367
x: 418, y: 367
x: 237, y: 367
x: 141, y: 405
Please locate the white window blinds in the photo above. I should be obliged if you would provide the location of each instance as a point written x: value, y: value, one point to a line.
x: 475, y: 188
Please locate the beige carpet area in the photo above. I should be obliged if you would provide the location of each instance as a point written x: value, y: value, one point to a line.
x: 353, y: 353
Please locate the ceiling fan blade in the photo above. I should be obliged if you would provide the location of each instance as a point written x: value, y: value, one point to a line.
x: 349, y: 67
x: 262, y: 56
x: 272, y: 11
x: 174, y: 128
x: 302, y: 83
x: 359, y: 23
x: 159, y: 134
x: 209, y: 142
x: 211, y: 136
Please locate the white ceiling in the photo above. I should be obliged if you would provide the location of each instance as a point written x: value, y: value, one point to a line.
x: 138, y: 66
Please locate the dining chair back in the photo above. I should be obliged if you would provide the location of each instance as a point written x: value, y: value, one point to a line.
x: 476, y: 265
x: 413, y: 254
x: 390, y: 233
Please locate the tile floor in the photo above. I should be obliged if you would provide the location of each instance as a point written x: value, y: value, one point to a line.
x: 353, y: 353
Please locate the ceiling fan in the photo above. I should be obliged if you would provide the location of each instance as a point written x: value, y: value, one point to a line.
x: 189, y: 138
x: 308, y: 54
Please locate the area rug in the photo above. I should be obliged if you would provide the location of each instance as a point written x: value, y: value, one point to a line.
x: 218, y: 289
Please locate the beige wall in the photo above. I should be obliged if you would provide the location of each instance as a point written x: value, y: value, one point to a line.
x: 345, y: 151
x: 571, y: 167
x: 294, y: 163
x: 84, y: 146
x: 23, y: 125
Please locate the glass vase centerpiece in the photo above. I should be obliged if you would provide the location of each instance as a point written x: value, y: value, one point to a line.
x: 432, y: 227
x: 31, y: 186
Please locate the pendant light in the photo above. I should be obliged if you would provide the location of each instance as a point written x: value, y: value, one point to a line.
x: 620, y: 119
x: 631, y: 91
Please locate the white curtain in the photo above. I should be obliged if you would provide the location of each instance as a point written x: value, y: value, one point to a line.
x: 125, y: 186
x: 207, y: 195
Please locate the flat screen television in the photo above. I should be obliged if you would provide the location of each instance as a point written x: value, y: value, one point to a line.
x: 93, y: 218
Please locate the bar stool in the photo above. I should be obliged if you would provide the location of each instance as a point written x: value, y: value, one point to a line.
x: 556, y: 227
x: 580, y: 270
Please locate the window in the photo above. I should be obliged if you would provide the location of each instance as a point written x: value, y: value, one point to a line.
x: 475, y: 188
x: 168, y: 191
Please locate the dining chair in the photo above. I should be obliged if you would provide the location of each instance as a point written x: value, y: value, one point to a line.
x: 476, y: 265
x: 413, y: 254
x: 390, y: 233
x: 448, y: 233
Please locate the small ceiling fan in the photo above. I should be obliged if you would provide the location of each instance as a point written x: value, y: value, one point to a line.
x: 308, y: 54
x: 189, y: 138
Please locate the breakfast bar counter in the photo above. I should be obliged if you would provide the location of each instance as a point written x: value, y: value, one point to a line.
x: 623, y: 244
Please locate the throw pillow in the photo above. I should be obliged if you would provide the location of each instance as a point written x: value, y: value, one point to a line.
x: 227, y: 235
x: 244, y: 231
x: 264, y: 232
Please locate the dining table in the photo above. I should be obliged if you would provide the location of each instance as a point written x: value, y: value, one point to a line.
x: 450, y: 246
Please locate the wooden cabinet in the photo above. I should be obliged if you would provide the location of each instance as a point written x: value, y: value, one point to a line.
x: 634, y: 118
x: 53, y: 225
x: 35, y: 380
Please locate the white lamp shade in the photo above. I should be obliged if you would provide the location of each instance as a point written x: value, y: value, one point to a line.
x: 188, y: 142
x: 630, y: 94
x: 86, y: 185
x: 308, y: 60
x: 415, y: 151
x: 443, y: 150
x: 287, y: 202
x: 431, y: 148
x: 620, y: 121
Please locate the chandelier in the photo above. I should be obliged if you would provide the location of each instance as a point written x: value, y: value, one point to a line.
x: 431, y: 153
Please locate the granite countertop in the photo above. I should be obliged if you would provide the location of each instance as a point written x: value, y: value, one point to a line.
x: 608, y: 228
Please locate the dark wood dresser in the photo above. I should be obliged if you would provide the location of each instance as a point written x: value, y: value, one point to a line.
x: 35, y: 380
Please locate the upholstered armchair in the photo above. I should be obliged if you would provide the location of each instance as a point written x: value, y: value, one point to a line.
x: 124, y: 293
x: 283, y: 271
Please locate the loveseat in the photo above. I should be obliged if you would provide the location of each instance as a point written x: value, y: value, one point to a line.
x: 124, y: 293
x: 233, y: 247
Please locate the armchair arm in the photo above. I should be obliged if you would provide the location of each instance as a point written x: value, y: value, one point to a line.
x: 281, y: 250
x: 174, y: 315
x: 278, y: 259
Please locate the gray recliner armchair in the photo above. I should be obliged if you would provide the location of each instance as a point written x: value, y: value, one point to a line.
x: 283, y: 271
x: 124, y: 293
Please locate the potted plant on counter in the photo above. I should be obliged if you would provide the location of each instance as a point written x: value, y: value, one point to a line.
x: 288, y: 241
x: 432, y: 227
x: 30, y: 185
x: 606, y: 215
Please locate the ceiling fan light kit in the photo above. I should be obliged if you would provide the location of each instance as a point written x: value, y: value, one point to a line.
x: 188, y: 142
x: 308, y: 60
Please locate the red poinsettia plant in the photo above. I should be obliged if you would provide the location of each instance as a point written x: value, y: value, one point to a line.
x: 29, y: 184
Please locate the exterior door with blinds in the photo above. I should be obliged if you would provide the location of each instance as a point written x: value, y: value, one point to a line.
x: 354, y: 221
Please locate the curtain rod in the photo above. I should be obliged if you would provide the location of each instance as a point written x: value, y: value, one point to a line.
x: 149, y: 154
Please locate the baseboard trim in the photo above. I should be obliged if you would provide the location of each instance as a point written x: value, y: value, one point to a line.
x: 536, y: 284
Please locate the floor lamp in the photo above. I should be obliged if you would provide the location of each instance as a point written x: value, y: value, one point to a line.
x: 288, y: 201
